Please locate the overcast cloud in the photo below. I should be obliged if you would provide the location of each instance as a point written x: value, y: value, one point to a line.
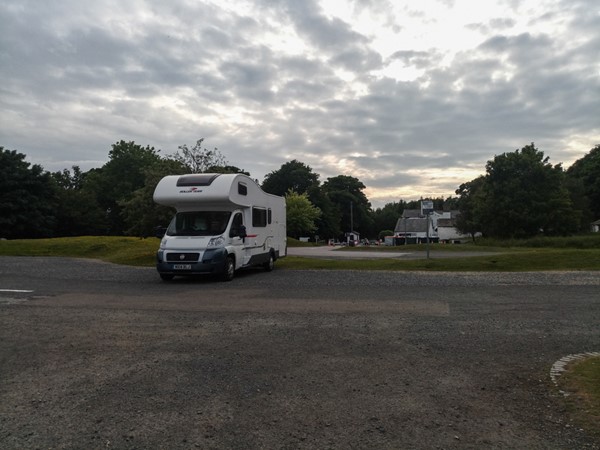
x: 411, y: 98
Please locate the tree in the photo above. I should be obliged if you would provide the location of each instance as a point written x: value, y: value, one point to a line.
x: 27, y: 198
x: 521, y: 195
x: 585, y: 173
x: 293, y: 175
x: 470, y: 201
x: 385, y: 219
x: 346, y: 193
x: 116, y: 181
x: 226, y: 169
x: 328, y: 223
x: 140, y: 214
x: 77, y: 212
x: 198, y: 159
x: 300, y: 178
x: 301, y: 214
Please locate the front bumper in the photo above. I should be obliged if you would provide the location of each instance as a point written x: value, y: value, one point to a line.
x: 212, y: 261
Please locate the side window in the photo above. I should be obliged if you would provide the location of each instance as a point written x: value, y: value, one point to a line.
x: 242, y: 189
x: 236, y: 225
x: 269, y: 216
x: 259, y: 217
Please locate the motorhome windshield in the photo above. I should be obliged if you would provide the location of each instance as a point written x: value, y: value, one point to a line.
x: 199, y: 223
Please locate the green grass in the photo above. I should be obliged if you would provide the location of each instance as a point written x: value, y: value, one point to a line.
x: 141, y: 252
x: 587, y: 240
x: 582, y: 381
x: 119, y: 250
x: 521, y: 260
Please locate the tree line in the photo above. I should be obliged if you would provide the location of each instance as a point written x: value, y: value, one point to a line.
x: 520, y: 195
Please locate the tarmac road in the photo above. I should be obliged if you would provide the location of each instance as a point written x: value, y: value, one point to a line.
x: 331, y: 252
x: 95, y: 355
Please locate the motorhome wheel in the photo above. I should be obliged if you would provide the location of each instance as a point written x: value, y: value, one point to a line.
x: 229, y: 270
x: 270, y: 264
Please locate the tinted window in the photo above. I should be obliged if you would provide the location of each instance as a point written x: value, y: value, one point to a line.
x: 199, y: 223
x: 242, y: 189
x: 197, y: 179
x: 259, y: 217
x: 236, y: 225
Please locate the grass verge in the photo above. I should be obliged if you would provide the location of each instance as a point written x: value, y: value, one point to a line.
x: 141, y: 252
x: 521, y: 260
x: 116, y: 249
x: 582, y: 381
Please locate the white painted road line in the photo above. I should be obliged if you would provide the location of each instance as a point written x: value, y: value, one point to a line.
x: 14, y: 290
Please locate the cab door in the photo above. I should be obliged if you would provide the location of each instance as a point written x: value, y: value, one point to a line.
x: 237, y: 235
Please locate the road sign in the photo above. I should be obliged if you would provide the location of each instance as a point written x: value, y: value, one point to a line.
x: 426, y: 207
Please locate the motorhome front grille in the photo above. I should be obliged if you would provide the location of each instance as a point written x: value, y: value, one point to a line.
x: 180, y: 257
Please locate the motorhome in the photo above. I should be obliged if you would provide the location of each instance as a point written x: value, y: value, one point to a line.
x: 223, y: 222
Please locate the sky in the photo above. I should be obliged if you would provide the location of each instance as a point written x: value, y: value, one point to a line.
x: 410, y: 97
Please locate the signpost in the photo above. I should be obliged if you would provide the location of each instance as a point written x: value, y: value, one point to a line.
x: 426, y: 210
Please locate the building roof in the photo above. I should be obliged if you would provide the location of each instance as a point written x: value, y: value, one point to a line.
x: 446, y: 222
x: 411, y: 225
x: 411, y: 213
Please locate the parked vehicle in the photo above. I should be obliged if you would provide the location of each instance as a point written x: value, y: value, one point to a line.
x: 224, y: 222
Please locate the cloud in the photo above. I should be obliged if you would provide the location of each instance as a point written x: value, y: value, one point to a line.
x: 409, y: 101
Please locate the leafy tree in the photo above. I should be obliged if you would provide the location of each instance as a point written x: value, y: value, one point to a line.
x: 470, y: 201
x: 521, y: 195
x: 293, y: 175
x: 385, y: 219
x: 354, y: 209
x: 301, y: 214
x: 140, y: 214
x: 328, y: 223
x: 67, y: 180
x: 584, y: 178
x: 198, y: 159
x: 300, y: 178
x: 27, y: 198
x: 450, y: 204
x: 115, y: 182
x: 226, y: 169
x: 77, y: 212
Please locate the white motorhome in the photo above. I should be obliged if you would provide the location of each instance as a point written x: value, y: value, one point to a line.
x: 223, y: 222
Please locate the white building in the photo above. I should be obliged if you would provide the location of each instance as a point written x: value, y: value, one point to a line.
x: 413, y: 226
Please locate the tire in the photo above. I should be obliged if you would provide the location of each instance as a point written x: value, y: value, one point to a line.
x: 270, y: 264
x: 167, y: 277
x: 229, y: 269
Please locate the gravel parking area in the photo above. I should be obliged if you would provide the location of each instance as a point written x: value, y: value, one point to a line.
x: 94, y: 355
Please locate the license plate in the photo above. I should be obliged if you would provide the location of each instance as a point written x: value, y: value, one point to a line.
x: 182, y: 267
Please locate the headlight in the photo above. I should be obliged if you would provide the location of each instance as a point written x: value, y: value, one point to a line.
x: 163, y: 243
x: 216, y: 242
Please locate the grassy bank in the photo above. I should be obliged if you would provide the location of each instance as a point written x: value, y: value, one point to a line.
x: 141, y: 252
x: 582, y: 382
x: 119, y: 250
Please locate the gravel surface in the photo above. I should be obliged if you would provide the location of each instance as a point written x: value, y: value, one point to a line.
x: 95, y: 355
